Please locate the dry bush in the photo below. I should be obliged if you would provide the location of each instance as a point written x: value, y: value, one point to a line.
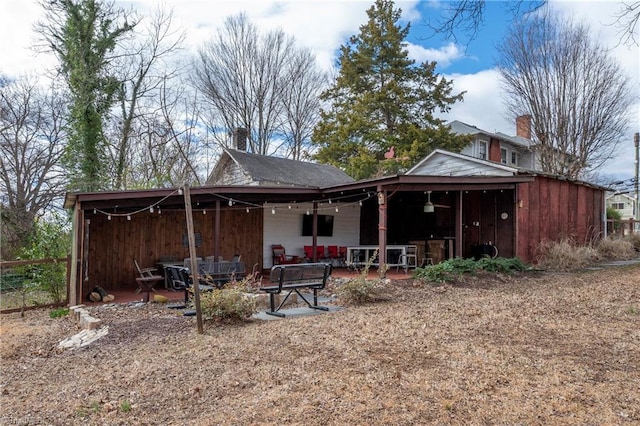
x: 230, y: 303
x: 634, y: 239
x: 360, y: 290
x: 565, y: 255
x: 616, y: 249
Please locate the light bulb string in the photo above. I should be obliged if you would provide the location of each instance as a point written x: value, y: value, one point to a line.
x: 237, y: 204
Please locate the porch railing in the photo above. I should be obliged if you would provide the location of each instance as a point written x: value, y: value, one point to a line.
x: 623, y: 227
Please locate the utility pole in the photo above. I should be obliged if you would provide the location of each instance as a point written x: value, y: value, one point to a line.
x: 636, y: 142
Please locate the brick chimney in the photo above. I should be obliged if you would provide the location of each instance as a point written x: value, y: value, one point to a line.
x: 523, y: 126
x: 240, y: 139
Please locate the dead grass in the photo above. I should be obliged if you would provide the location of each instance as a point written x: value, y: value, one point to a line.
x: 616, y: 249
x: 566, y: 255
x: 536, y: 349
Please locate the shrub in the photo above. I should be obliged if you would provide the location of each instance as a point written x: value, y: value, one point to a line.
x: 565, y: 255
x: 616, y: 249
x: 50, y: 239
x: 360, y: 290
x: 502, y: 265
x: 60, y: 312
x: 634, y: 239
x: 451, y: 269
x: 230, y: 303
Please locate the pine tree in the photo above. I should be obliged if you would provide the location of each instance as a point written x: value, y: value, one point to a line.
x: 382, y: 99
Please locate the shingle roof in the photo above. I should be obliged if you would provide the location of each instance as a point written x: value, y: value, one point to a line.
x: 283, y: 171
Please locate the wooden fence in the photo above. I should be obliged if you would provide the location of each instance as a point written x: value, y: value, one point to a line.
x: 12, y: 280
x: 623, y: 227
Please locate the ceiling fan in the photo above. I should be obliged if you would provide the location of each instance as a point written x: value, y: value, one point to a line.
x: 429, y: 207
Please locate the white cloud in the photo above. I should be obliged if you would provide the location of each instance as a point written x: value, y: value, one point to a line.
x: 444, y: 56
x: 482, y: 106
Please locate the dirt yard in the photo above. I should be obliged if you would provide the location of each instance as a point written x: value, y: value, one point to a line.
x: 537, y: 349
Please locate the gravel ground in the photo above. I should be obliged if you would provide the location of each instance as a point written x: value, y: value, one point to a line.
x: 535, y: 349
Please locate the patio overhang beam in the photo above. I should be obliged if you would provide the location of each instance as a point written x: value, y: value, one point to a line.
x: 440, y: 187
x: 450, y: 183
x: 170, y: 198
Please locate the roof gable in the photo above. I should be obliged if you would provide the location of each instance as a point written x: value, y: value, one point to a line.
x: 445, y: 163
x: 242, y: 168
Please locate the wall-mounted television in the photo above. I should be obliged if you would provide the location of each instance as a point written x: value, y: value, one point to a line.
x: 325, y: 225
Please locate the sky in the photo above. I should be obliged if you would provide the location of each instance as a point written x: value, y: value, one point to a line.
x: 324, y: 25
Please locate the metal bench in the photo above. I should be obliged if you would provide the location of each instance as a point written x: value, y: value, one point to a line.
x: 292, y: 278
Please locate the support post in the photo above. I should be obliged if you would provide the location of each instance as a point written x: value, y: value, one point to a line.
x: 382, y: 227
x: 192, y: 254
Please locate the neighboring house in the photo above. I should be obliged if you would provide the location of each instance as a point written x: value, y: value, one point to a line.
x: 237, y: 167
x: 623, y: 203
x: 518, y: 151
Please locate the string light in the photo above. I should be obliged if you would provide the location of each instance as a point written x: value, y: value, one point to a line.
x: 322, y: 205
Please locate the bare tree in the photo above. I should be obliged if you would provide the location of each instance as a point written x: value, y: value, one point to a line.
x: 577, y: 95
x: 242, y: 74
x: 301, y: 101
x: 167, y: 147
x: 143, y: 69
x: 627, y: 22
x: 468, y: 16
x: 32, y: 136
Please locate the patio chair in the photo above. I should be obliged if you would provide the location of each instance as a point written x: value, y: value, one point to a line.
x: 280, y: 257
x: 308, y: 253
x: 146, y: 280
x: 333, y: 254
x: 409, y: 259
x: 186, y: 279
x: 342, y: 255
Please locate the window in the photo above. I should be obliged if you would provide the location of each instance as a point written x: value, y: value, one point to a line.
x: 618, y: 206
x: 503, y: 155
x: 515, y: 158
x: 482, y: 150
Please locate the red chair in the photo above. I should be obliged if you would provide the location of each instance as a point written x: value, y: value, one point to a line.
x: 308, y: 253
x: 320, y: 253
x: 332, y: 252
x: 342, y: 255
x: 280, y: 256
